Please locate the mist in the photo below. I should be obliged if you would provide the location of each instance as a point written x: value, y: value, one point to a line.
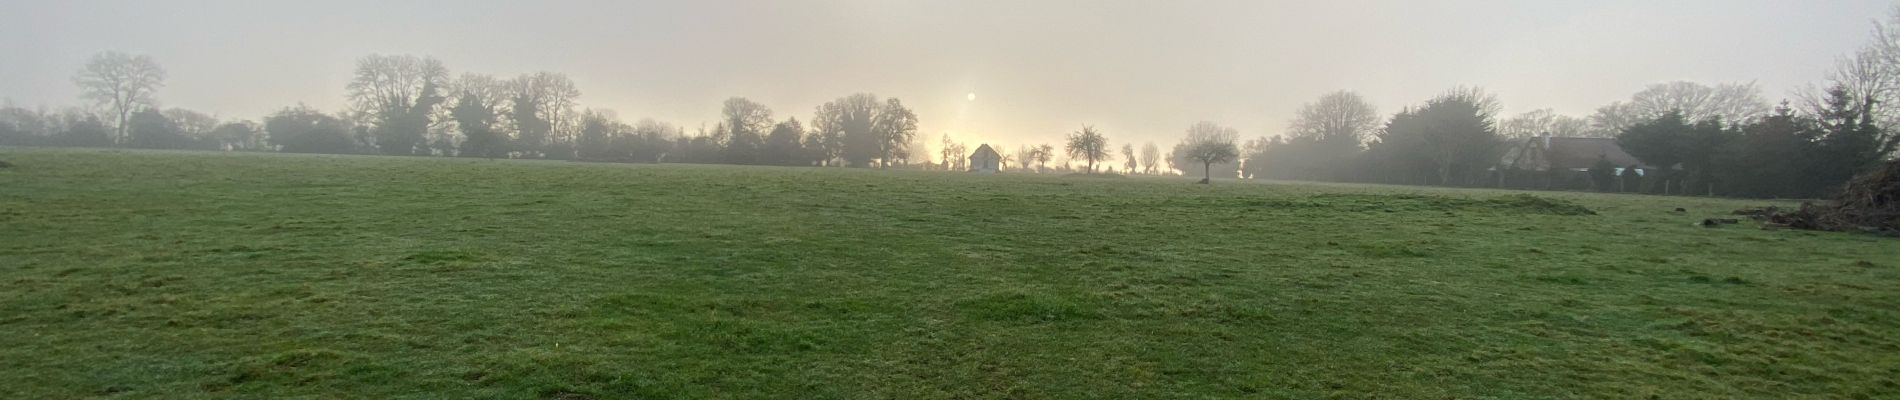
x: 976, y: 199
x: 1140, y: 71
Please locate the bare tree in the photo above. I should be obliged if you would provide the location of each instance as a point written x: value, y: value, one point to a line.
x: 486, y: 89
x: 397, y: 96
x: 742, y: 129
x: 864, y: 130
x: 1128, y: 156
x: 121, y: 81
x: 1089, y: 145
x: 1025, y: 155
x: 1341, y: 118
x: 1871, y: 76
x: 1150, y: 156
x: 958, y: 161
x: 947, y: 150
x: 894, y: 128
x: 1732, y: 103
x: 1865, y: 77
x: 1210, y: 143
x: 1487, y: 104
x: 194, y: 125
x: 539, y: 106
x: 476, y: 115
x: 1546, y: 122
x: 1043, y: 154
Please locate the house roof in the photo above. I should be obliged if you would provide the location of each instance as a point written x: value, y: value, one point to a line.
x: 983, y: 149
x: 1541, y: 153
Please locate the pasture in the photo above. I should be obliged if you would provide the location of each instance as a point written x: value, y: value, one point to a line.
x: 132, y: 274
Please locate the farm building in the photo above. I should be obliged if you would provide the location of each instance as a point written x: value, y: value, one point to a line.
x: 1567, y: 154
x: 1564, y: 163
x: 985, y: 159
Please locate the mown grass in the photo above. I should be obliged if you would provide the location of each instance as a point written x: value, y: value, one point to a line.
x: 203, y: 275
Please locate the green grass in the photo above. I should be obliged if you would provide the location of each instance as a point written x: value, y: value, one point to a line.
x: 205, y: 275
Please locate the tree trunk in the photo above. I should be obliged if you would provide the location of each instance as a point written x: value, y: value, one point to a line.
x: 121, y: 137
x: 1207, y: 172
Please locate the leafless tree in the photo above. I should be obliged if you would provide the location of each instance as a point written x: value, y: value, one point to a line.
x: 1088, y: 144
x: 1733, y: 103
x: 1044, y: 153
x: 486, y: 89
x: 1341, y: 118
x: 1210, y: 143
x: 948, y: 150
x: 540, y: 105
x: 393, y: 83
x: 1150, y: 156
x: 1545, y: 122
x: 122, y: 82
x: 1871, y: 74
x: 864, y: 130
x: 1128, y: 154
x: 1025, y: 155
x: 397, y: 95
x: 958, y: 159
x: 192, y: 124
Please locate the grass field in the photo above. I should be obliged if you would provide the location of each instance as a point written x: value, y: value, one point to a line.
x: 205, y: 275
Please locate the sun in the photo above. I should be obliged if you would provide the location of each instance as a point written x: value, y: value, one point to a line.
x: 972, y: 96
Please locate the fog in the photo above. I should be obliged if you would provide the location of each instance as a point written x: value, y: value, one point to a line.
x: 1137, y: 71
x: 925, y: 199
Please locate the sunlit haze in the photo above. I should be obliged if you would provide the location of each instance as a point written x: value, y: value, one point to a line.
x: 1137, y: 70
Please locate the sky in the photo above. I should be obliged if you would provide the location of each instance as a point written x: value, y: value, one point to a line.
x: 1005, y: 72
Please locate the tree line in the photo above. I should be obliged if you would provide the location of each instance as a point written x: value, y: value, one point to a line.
x: 1690, y: 138
x: 410, y: 106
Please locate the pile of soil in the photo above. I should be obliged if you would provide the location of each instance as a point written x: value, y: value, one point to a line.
x: 1870, y: 203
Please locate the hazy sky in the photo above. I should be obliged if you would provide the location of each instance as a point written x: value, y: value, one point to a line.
x: 1138, y: 70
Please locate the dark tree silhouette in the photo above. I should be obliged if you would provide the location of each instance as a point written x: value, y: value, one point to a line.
x: 1209, y: 143
x: 742, y: 128
x: 1087, y: 144
x: 304, y: 130
x: 865, y: 131
x: 396, y: 95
